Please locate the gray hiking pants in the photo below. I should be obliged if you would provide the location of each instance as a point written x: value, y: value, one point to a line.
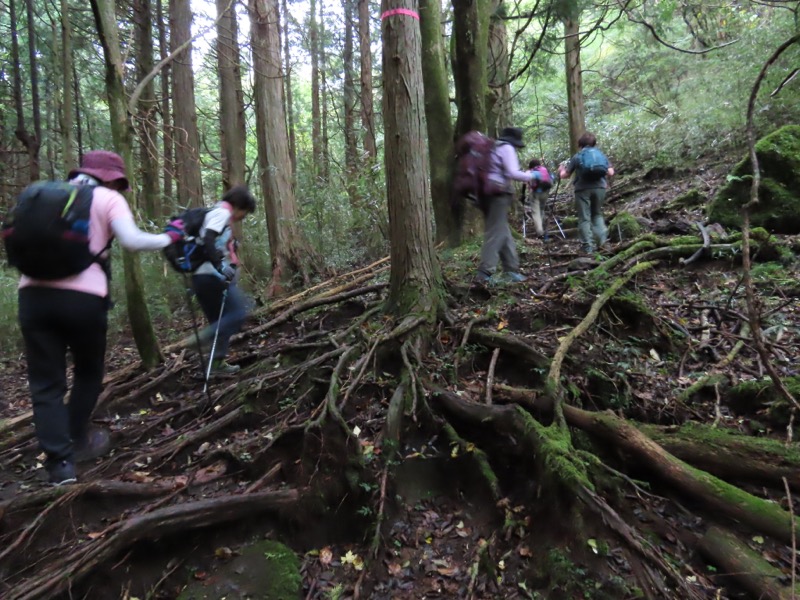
x: 591, y: 225
x: 498, y: 245
x: 535, y: 204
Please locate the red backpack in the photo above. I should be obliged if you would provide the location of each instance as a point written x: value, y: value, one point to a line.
x: 479, y: 172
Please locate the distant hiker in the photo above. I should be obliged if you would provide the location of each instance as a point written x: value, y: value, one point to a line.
x: 591, y: 167
x: 215, y: 280
x: 71, y: 314
x: 535, y: 194
x: 498, y: 245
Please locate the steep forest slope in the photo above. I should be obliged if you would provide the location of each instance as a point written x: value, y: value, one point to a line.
x: 605, y: 430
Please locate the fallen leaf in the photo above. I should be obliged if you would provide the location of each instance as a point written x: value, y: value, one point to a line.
x: 325, y: 556
x: 223, y: 553
x: 395, y: 570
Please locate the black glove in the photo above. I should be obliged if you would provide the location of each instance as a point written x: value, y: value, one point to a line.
x: 228, y: 272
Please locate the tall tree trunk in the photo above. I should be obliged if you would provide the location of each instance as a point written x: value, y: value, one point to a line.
x: 68, y: 157
x: 289, y: 250
x: 138, y: 312
x: 365, y: 55
x: 166, y: 107
x: 469, y: 57
x: 415, y: 280
x: 323, y: 82
x: 36, y: 110
x: 31, y: 142
x: 575, y: 105
x: 349, y: 95
x: 316, y: 94
x: 147, y: 109
x: 186, y: 138
x: 437, y: 114
x: 287, y: 61
x: 498, y: 94
x: 231, y: 96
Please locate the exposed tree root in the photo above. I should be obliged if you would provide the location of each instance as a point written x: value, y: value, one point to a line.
x: 60, y: 576
x: 747, y: 566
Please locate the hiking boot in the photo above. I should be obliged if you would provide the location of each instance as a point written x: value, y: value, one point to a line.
x: 61, y: 472
x: 516, y: 277
x: 483, y: 278
x: 221, y: 368
x: 94, y: 444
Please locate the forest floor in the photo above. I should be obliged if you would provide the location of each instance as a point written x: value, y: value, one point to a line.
x: 196, y: 479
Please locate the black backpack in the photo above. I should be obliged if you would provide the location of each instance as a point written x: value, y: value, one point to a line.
x: 188, y: 253
x: 47, y: 236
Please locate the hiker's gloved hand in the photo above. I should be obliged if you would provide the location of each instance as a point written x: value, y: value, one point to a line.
x: 228, y: 272
x: 174, y: 230
x: 174, y: 236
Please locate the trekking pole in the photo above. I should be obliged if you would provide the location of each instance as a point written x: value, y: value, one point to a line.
x: 193, y: 313
x: 214, y: 343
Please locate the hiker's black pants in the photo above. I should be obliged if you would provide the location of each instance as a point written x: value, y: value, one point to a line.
x: 53, y: 322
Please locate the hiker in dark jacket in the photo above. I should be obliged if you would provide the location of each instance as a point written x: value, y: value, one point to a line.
x: 215, y: 281
x: 498, y: 244
x: 589, y: 197
x: 71, y: 315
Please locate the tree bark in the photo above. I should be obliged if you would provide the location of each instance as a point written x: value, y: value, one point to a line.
x: 469, y: 58
x: 147, y: 109
x: 415, y: 282
x: 349, y: 96
x: 231, y: 96
x: 745, y: 565
x: 186, y: 138
x: 30, y: 142
x: 316, y: 118
x: 498, y: 92
x: 575, y: 104
x: 365, y: 55
x: 287, y: 61
x: 439, y: 123
x: 138, y: 311
x: 290, y: 252
x: 68, y: 156
x: 166, y: 106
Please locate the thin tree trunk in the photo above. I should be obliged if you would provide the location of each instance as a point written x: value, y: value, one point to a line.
x: 316, y: 119
x: 349, y: 95
x: 147, y: 108
x: 287, y: 61
x: 231, y: 96
x: 365, y: 54
x: 166, y: 105
x: 498, y: 93
x: 186, y: 138
x: 437, y: 113
x: 325, y: 147
x: 36, y: 110
x: 415, y: 280
x: 471, y: 35
x: 290, y: 252
x: 68, y: 157
x: 575, y: 105
x: 30, y: 142
x: 138, y: 311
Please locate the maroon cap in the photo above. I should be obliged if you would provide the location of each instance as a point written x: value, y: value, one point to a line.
x: 103, y: 165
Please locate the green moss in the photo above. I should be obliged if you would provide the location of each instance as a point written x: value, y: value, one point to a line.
x: 690, y: 199
x: 779, y: 203
x: 752, y: 396
x: 624, y: 226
